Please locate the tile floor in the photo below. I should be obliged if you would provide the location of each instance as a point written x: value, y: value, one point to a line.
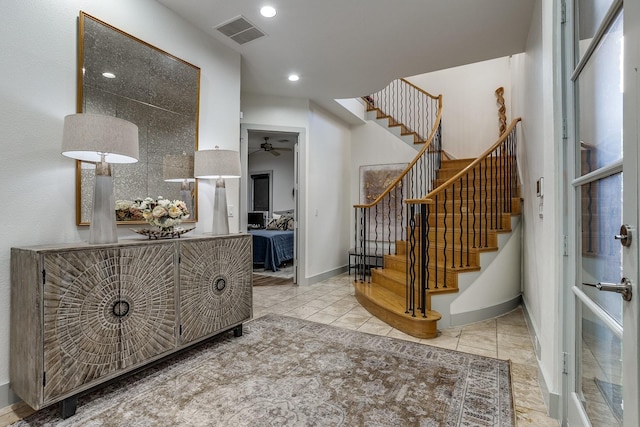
x: 332, y: 302
x: 507, y: 337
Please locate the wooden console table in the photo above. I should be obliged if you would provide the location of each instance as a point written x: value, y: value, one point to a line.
x: 84, y: 314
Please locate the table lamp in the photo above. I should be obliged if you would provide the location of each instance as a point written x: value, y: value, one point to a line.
x: 101, y: 140
x: 179, y: 168
x: 218, y: 164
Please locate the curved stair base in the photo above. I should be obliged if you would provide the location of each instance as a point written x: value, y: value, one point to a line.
x: 390, y: 308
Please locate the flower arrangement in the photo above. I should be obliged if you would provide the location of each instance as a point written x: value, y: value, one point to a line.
x: 163, y: 213
x: 128, y: 210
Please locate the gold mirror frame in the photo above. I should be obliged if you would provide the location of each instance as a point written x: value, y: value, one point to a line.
x: 152, y: 89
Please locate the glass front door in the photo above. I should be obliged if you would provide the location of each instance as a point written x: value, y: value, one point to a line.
x: 602, y: 335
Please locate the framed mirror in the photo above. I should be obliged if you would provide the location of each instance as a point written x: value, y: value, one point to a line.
x: 122, y: 76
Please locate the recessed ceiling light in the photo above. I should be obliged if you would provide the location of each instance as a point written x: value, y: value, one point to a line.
x: 268, y: 11
x: 294, y: 78
x: 108, y: 75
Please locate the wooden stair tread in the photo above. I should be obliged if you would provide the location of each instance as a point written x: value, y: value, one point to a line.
x: 391, y: 309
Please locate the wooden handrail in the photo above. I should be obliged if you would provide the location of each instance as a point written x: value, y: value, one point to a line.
x: 428, y: 198
x: 439, y: 97
x: 413, y: 162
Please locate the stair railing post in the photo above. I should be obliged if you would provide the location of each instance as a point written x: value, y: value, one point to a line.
x: 423, y: 259
x: 411, y: 259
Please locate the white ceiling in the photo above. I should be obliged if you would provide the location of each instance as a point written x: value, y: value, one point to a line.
x: 350, y: 48
x: 276, y: 138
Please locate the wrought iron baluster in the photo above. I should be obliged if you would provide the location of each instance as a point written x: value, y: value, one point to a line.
x: 445, y: 239
x: 461, y: 218
x: 503, y: 196
x: 492, y: 187
x: 436, y: 215
x: 423, y: 260
x: 412, y: 261
x: 486, y: 205
x: 467, y: 209
x: 474, y: 207
x: 453, y: 225
x: 355, y: 244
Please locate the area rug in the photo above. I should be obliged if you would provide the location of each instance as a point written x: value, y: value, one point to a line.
x: 289, y: 372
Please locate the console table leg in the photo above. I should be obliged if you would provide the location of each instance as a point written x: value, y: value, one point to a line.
x: 237, y: 331
x: 68, y: 406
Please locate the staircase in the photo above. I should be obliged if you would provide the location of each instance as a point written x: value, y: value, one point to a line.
x: 467, y: 205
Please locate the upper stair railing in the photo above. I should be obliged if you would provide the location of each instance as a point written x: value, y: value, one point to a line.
x: 379, y: 224
x: 458, y: 217
x: 408, y: 105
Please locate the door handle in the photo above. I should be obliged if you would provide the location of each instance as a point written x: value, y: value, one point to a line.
x: 624, y: 236
x: 624, y: 288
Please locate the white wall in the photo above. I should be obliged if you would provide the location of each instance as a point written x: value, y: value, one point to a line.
x: 328, y: 199
x: 282, y: 177
x: 371, y: 144
x: 540, y: 156
x: 38, y: 88
x: 469, y: 110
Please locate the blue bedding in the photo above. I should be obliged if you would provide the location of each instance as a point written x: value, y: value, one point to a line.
x: 272, y: 247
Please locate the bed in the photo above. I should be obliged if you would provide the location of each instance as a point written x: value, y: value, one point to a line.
x: 272, y: 247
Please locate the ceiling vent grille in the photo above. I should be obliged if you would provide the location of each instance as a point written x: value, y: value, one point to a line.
x: 240, y: 30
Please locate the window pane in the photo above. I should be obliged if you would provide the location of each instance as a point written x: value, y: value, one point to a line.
x: 601, y: 216
x: 599, y: 88
x: 601, y: 372
x: 590, y: 16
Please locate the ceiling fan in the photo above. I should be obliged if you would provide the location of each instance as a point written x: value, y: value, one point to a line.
x: 269, y: 148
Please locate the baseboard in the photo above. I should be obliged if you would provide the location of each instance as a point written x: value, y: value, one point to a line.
x: 324, y: 276
x: 7, y: 396
x: 553, y: 401
x: 485, y: 313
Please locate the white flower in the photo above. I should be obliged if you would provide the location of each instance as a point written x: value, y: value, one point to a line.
x: 162, y: 212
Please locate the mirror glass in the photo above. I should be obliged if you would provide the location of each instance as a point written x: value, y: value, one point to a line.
x: 122, y: 76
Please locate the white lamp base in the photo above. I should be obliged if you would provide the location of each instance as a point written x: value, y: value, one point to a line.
x: 103, y: 217
x: 220, y: 213
x: 185, y: 196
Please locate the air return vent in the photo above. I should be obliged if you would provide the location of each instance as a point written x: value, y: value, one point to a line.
x: 240, y: 30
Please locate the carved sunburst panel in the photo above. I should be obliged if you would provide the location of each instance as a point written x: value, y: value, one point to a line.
x: 106, y: 310
x: 83, y: 339
x: 215, y: 285
x: 147, y: 300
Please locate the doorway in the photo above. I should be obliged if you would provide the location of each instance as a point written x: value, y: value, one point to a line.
x: 271, y: 169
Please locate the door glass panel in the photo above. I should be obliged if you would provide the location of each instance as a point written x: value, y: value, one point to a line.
x: 600, y: 103
x: 601, y: 372
x: 590, y: 16
x: 601, y: 216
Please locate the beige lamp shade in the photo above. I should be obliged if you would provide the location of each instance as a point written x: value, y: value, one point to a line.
x: 178, y: 168
x: 87, y: 136
x: 217, y: 163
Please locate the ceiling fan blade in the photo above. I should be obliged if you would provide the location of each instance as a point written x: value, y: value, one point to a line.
x: 274, y: 152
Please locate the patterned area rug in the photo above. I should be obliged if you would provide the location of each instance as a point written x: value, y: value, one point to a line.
x: 290, y: 372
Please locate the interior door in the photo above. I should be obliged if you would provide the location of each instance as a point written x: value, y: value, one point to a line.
x: 601, y: 344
